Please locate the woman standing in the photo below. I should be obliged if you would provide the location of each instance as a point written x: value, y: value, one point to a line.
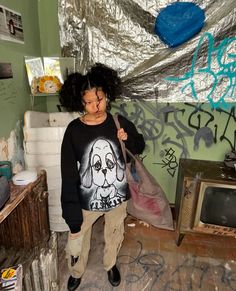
x: 93, y: 169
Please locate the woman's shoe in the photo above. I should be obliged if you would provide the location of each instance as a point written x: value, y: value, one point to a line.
x: 114, y: 276
x: 73, y: 283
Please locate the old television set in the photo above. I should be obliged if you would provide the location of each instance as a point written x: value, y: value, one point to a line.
x: 205, y: 199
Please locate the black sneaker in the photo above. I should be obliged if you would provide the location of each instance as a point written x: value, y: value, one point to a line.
x: 114, y: 276
x: 73, y: 283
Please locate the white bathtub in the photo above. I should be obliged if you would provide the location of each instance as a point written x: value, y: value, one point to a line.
x: 43, y: 133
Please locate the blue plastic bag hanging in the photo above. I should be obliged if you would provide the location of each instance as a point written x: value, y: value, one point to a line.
x: 179, y: 22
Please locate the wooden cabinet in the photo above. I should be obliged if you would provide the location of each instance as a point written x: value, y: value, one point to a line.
x: 24, y: 220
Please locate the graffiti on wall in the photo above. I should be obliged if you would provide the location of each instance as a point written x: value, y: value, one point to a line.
x: 169, y: 161
x: 172, y: 132
x: 212, y: 75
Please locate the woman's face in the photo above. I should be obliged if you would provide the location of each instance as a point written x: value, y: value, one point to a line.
x: 94, y: 101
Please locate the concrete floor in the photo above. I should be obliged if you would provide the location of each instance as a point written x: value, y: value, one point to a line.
x: 150, y: 260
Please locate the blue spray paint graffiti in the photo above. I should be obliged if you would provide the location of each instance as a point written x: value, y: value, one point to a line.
x: 213, y: 80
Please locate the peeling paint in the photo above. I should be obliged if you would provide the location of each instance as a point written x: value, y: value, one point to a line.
x: 3, y: 149
x: 11, y: 149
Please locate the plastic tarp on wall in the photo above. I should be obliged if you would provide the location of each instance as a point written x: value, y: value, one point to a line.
x: 121, y: 34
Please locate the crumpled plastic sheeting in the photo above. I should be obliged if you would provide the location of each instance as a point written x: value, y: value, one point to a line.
x: 120, y: 34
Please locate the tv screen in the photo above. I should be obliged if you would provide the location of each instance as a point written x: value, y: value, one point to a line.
x: 219, y: 206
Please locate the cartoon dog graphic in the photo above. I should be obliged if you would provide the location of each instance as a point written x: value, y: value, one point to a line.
x: 102, y: 171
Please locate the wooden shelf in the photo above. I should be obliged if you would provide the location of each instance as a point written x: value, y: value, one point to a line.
x: 45, y: 94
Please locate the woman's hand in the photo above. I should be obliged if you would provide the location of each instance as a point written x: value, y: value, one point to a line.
x: 74, y: 235
x: 121, y: 134
x: 74, y: 244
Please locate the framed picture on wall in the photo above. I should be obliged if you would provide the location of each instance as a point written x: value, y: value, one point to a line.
x: 60, y: 67
x: 34, y: 68
x: 11, y: 28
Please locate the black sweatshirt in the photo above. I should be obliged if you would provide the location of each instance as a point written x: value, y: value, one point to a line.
x: 93, y: 168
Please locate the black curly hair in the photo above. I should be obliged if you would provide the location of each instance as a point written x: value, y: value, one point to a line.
x: 99, y: 76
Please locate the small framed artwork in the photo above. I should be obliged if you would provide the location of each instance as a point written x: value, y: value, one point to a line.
x: 34, y: 68
x: 60, y: 67
x: 5, y: 71
x: 11, y: 28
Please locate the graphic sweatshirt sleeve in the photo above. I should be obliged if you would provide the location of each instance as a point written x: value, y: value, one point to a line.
x: 71, y: 207
x: 135, y: 142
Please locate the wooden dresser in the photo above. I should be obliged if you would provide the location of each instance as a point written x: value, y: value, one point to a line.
x: 24, y: 220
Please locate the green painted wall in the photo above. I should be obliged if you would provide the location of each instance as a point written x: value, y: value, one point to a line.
x: 49, y: 40
x: 15, y: 93
x: 41, y: 38
x: 49, y: 29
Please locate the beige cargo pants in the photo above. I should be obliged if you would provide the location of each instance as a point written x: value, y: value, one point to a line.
x: 113, y: 236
